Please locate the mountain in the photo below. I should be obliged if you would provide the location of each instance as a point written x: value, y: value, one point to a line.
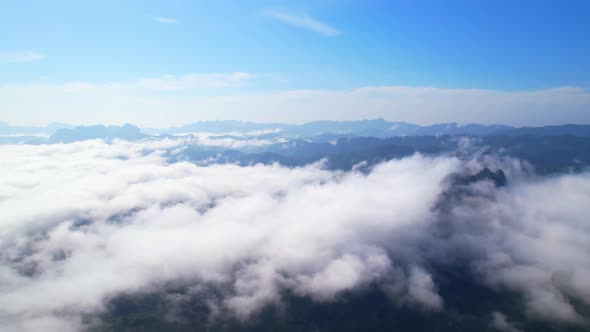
x: 568, y: 129
x: 471, y: 129
x: 316, y: 131
x: 546, y: 154
x: 223, y: 126
x: 80, y: 133
x: 498, y: 178
x: 374, y: 128
x: 313, y: 132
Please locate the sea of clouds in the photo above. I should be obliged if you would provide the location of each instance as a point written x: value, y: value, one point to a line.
x: 83, y: 222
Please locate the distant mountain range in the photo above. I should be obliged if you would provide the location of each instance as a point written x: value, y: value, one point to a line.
x: 68, y: 135
x: 315, y: 131
x: 373, y: 128
x: 547, y: 154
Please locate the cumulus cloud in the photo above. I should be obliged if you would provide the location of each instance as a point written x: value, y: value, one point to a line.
x: 86, y: 221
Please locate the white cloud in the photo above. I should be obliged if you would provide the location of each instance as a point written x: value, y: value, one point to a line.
x: 501, y: 323
x: 219, y: 139
x: 422, y: 290
x: 14, y: 57
x: 524, y: 239
x: 168, y: 20
x: 163, y: 83
x: 70, y: 210
x: 180, y: 99
x: 303, y: 239
x: 305, y: 22
x: 194, y: 81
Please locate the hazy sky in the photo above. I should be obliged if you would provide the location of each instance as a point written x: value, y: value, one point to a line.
x: 160, y: 63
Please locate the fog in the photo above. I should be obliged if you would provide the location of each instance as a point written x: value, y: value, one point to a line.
x: 81, y: 223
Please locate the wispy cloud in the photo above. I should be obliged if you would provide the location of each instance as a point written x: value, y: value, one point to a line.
x: 166, y: 20
x: 177, y: 83
x: 304, y: 22
x: 194, y: 81
x: 22, y: 56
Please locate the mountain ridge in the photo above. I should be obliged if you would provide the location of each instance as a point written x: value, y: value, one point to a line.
x: 326, y: 130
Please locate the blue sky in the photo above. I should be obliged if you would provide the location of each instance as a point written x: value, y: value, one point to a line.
x: 256, y: 48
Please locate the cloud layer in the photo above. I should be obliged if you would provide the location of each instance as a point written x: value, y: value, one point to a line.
x: 176, y: 100
x: 86, y: 221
